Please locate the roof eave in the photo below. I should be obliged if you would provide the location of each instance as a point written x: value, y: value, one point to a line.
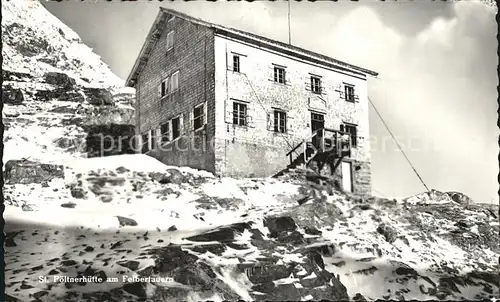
x: 150, y: 41
x: 340, y: 64
x: 143, y: 56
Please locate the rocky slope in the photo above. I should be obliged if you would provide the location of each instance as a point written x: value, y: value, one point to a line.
x: 56, y: 92
x: 200, y: 237
x: 187, y: 234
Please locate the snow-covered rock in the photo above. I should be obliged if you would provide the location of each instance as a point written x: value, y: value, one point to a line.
x: 59, y: 97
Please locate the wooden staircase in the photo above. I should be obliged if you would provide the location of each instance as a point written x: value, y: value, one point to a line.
x: 323, y: 146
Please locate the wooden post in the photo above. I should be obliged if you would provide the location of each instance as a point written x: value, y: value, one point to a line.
x: 323, y: 139
x: 305, y: 149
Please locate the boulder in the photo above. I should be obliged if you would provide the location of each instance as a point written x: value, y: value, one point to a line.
x: 9, y: 75
x: 12, y: 96
x: 27, y: 172
x: 98, y: 96
x: 110, y: 115
x: 188, y: 269
x: 69, y: 205
x: 60, y: 94
x: 276, y: 225
x: 460, y: 198
x: 176, y: 177
x: 78, y: 192
x: 224, y: 234
x: 59, y: 79
x: 388, y: 232
x: 316, y: 282
x: 130, y: 264
x: 124, y: 221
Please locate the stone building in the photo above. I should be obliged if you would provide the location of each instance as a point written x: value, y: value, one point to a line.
x: 236, y: 104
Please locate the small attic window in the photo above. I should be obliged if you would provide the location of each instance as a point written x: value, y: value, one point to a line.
x: 170, y: 40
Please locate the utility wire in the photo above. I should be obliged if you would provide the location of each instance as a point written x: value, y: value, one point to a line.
x: 401, y: 149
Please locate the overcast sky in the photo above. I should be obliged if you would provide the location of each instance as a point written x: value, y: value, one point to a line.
x: 437, y: 63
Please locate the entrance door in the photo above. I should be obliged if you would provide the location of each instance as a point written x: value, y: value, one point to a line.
x: 317, y: 122
x: 347, y: 176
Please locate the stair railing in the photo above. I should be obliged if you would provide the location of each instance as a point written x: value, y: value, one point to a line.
x: 304, y: 144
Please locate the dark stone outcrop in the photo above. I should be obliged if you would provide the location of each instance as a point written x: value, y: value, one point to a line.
x: 9, y: 75
x: 276, y: 225
x: 110, y: 139
x: 59, y: 79
x: 60, y: 94
x: 176, y: 177
x: 12, y: 96
x: 98, y: 96
x: 224, y: 234
x: 26, y: 172
x: 388, y: 232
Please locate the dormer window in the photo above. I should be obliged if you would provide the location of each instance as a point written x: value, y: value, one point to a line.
x: 170, y: 40
x: 164, y: 87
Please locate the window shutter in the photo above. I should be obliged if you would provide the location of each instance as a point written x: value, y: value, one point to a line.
x: 229, y: 112
x: 174, y: 81
x: 270, y: 120
x: 271, y: 73
x: 308, y: 84
x: 170, y: 132
x: 229, y: 61
x: 158, y: 136
x: 250, y: 116
x: 181, y: 124
x: 289, y: 124
x: 150, y: 139
x: 159, y: 89
x: 205, y: 116
x: 167, y: 81
x: 190, y: 121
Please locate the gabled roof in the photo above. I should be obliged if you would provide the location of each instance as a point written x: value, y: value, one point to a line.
x: 158, y: 26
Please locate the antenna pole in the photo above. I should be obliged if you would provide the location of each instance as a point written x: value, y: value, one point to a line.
x: 289, y: 27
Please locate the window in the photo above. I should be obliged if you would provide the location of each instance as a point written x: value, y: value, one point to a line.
x: 165, y: 133
x: 279, y: 121
x: 316, y: 85
x: 145, y: 144
x: 174, y: 82
x: 239, y: 114
x: 279, y: 75
x: 352, y: 131
x: 152, y: 139
x: 236, y: 63
x: 170, y: 40
x: 199, y: 116
x: 349, y: 93
x: 176, y: 127
x: 164, y: 87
